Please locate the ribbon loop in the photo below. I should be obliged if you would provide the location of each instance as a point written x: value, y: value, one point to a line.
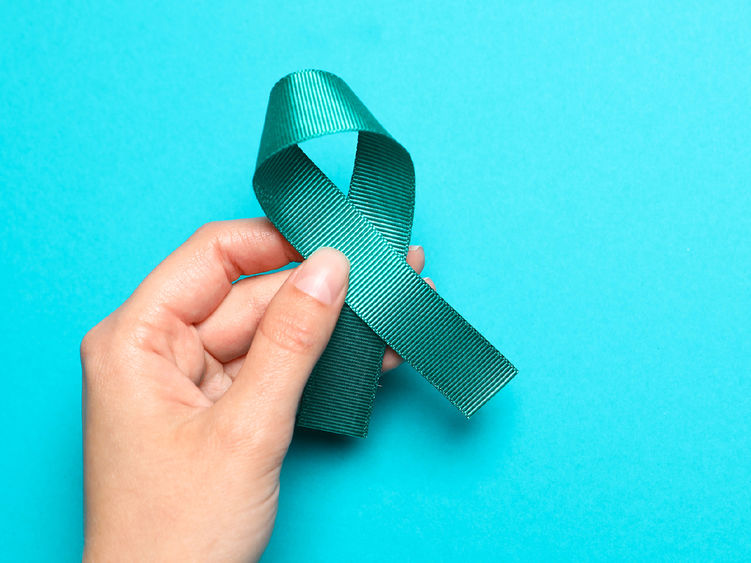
x: 387, y: 302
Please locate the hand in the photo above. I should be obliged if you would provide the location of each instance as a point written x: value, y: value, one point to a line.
x: 190, y: 392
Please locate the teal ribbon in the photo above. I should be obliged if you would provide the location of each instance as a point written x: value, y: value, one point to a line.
x: 387, y: 302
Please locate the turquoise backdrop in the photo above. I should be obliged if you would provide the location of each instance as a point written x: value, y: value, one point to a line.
x: 583, y: 174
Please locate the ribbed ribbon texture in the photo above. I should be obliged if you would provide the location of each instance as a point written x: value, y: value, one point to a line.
x: 387, y: 302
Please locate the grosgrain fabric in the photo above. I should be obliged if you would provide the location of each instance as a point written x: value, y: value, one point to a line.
x: 387, y: 303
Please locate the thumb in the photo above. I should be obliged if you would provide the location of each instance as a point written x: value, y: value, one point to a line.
x: 262, y: 402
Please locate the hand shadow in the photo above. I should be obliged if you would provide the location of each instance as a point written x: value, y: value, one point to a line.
x: 404, y: 394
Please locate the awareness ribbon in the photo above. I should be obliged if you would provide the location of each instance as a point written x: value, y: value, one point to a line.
x: 387, y: 302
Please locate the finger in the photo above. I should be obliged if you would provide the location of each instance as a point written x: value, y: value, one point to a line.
x: 219, y: 380
x: 291, y: 336
x: 390, y: 358
x: 194, y: 279
x: 226, y: 334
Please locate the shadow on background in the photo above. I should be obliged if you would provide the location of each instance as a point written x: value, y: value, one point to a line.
x: 406, y: 401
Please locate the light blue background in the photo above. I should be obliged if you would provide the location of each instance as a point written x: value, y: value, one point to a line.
x: 583, y: 178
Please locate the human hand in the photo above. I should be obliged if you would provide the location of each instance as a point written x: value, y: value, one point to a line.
x: 190, y: 391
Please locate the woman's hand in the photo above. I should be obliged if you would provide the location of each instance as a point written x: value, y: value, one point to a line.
x: 190, y: 394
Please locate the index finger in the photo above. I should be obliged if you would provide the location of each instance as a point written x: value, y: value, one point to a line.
x: 193, y: 280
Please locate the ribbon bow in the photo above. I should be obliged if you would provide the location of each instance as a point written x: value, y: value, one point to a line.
x: 387, y: 302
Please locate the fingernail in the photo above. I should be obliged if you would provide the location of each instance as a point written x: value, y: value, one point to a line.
x: 323, y: 275
x: 415, y: 248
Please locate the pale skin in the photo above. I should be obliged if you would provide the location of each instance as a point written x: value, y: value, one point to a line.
x: 190, y: 390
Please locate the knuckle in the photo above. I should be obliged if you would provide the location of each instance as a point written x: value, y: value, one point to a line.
x: 210, y: 234
x: 271, y: 443
x: 87, y: 346
x: 233, y: 436
x: 250, y: 439
x: 93, y: 352
x: 91, y: 343
x: 294, y: 331
x: 143, y: 335
x: 107, y: 350
x: 208, y: 230
x: 230, y: 434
